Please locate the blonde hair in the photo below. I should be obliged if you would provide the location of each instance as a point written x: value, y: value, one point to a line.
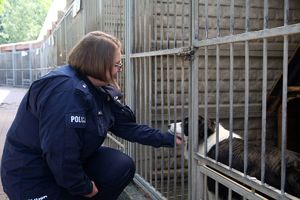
x: 94, y: 55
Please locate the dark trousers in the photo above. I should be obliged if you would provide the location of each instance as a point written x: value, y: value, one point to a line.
x: 111, y: 170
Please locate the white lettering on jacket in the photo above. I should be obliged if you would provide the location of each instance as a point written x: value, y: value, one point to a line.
x: 78, y: 119
x: 40, y: 198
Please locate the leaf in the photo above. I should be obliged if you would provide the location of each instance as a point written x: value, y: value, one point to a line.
x: 22, y: 20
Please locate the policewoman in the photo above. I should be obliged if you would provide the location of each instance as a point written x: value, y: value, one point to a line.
x: 53, y: 149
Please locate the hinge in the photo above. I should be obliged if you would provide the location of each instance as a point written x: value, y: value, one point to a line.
x: 187, y: 53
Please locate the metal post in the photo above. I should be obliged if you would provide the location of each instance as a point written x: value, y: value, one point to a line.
x: 264, y: 95
x: 129, y: 68
x: 247, y: 27
x: 231, y: 70
x: 193, y: 112
x: 13, y: 53
x: 30, y: 63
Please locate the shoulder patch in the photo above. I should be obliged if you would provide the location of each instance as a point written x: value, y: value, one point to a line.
x: 75, y: 120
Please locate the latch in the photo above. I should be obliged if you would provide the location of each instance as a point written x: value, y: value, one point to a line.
x: 188, y: 53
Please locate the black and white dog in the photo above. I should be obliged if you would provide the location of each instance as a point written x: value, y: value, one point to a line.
x: 272, y: 156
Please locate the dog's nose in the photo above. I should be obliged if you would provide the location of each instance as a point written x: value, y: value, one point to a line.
x: 169, y: 126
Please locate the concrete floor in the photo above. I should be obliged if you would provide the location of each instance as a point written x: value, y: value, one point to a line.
x: 10, y: 99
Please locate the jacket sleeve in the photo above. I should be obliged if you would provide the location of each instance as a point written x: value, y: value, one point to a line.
x: 60, y: 139
x: 125, y: 126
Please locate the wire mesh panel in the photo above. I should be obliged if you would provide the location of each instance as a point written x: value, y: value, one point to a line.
x: 162, y: 94
x: 160, y: 62
x: 6, y: 69
x: 107, y: 16
x: 2, y: 69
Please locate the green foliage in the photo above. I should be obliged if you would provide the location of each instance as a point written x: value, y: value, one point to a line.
x: 22, y: 20
x: 1, y: 6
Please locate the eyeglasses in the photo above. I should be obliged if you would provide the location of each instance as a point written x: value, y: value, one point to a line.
x: 119, y: 65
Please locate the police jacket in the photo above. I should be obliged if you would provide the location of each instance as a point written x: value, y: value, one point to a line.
x: 61, y: 121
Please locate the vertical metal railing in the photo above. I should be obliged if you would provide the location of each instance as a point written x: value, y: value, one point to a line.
x: 264, y: 94
x: 234, y: 40
x: 246, y: 112
x: 128, y: 64
x: 284, y: 98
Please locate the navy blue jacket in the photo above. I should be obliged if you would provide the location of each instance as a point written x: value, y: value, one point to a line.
x: 62, y: 120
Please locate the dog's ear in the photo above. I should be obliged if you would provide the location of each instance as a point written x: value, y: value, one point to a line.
x: 211, y: 126
x: 186, y: 126
x: 201, y: 125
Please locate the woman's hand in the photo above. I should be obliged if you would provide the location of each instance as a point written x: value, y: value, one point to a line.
x: 94, y: 191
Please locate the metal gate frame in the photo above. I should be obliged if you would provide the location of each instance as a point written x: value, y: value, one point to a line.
x: 195, y: 191
x: 264, y: 34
